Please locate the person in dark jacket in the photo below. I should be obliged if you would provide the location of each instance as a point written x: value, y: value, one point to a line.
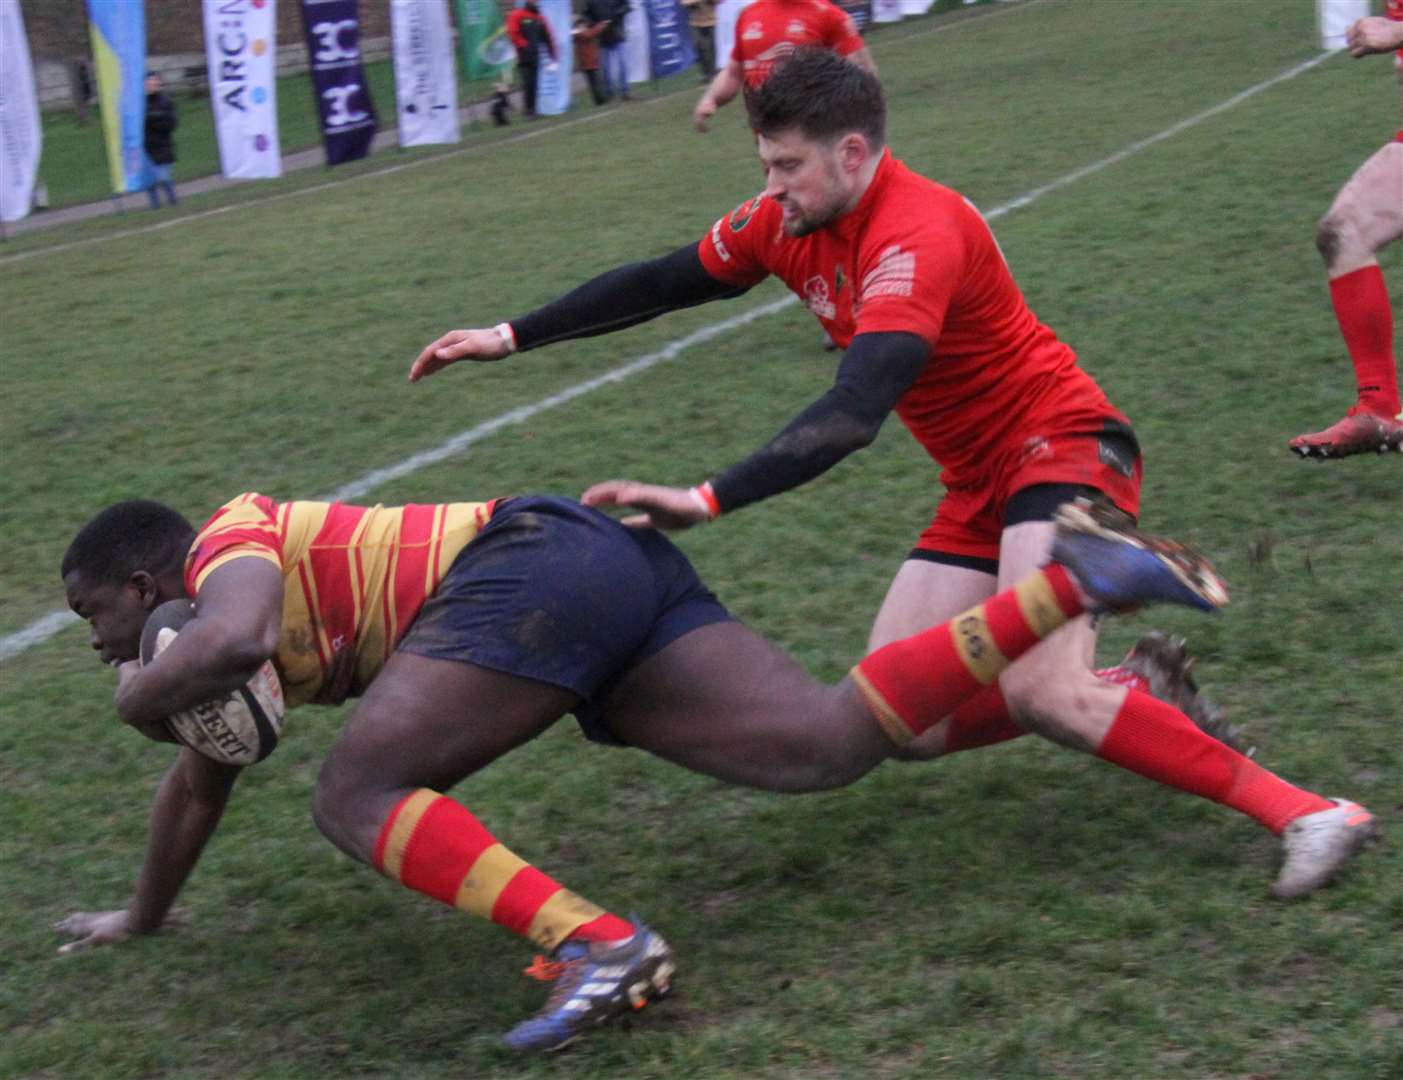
x: 606, y: 18
x: 158, y: 141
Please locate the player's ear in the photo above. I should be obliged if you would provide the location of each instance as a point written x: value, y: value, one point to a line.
x: 853, y: 151
x: 145, y: 587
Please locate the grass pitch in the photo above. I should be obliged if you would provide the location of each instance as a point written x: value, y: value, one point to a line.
x: 1020, y: 911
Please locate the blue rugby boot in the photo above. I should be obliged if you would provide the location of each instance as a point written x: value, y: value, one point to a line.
x: 593, y: 984
x: 1122, y: 567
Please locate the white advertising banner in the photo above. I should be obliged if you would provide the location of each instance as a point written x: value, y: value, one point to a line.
x: 727, y: 14
x: 1335, y: 17
x: 885, y: 11
x: 241, y: 50
x: 20, y: 134
x: 553, y: 78
x: 426, y: 84
x: 638, y: 52
x: 916, y: 7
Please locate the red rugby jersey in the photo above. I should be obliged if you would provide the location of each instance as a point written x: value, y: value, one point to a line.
x: 354, y: 577
x: 769, y: 30
x: 915, y: 256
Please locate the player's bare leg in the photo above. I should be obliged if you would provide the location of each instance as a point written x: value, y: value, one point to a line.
x: 423, y: 726
x: 1367, y: 215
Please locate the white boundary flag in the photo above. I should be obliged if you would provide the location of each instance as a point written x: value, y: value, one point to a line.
x: 241, y: 50
x: 21, y: 136
x: 426, y: 84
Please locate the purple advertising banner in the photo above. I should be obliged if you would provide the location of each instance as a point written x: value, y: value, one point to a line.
x: 338, y: 79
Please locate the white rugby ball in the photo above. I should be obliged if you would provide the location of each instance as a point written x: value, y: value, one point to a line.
x: 239, y: 729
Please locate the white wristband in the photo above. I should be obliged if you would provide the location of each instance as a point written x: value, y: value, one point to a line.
x: 507, y: 334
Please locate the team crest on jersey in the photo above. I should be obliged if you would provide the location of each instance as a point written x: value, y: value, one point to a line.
x: 816, y: 297
x: 795, y: 29
x: 741, y: 215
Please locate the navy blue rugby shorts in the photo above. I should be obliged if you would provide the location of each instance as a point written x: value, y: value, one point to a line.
x: 555, y: 591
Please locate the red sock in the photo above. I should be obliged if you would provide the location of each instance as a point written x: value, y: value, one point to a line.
x: 435, y: 846
x: 1366, y: 321
x: 913, y: 684
x: 985, y: 720
x: 1157, y: 741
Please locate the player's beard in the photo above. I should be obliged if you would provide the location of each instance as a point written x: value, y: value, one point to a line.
x: 802, y: 223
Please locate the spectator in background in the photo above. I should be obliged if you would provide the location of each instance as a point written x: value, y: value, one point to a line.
x: 701, y: 17
x: 158, y: 141
x: 586, y: 39
x: 607, y: 17
x: 528, y: 30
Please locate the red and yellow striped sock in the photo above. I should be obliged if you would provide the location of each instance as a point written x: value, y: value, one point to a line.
x: 912, y: 684
x: 1157, y: 741
x: 435, y: 846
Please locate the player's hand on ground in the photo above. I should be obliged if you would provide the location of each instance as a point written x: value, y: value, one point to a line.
x: 458, y: 345
x: 1373, y: 35
x: 702, y: 114
x: 89, y: 928
x: 664, y: 507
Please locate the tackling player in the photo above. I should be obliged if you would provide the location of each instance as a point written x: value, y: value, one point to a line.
x: 466, y: 629
x: 906, y: 276
x: 1366, y: 216
x: 770, y: 30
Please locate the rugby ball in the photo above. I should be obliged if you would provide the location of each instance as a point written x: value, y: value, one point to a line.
x: 240, y: 729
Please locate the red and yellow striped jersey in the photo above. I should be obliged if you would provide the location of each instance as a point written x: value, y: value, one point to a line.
x: 354, y: 577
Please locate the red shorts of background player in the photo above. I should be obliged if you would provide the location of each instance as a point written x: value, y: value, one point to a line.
x: 971, y: 518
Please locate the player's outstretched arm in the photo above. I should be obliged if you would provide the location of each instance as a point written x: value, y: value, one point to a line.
x: 1374, y: 35
x: 667, y: 508
x: 188, y: 806
x: 723, y: 87
x: 238, y: 620
x: 615, y: 300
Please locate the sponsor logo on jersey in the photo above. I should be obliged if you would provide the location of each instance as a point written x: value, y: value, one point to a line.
x: 741, y: 215
x: 718, y: 243
x: 753, y: 32
x: 795, y: 29
x: 894, y: 274
x: 816, y: 297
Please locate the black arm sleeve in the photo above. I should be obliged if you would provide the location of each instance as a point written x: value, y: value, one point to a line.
x: 876, y: 370
x: 623, y: 297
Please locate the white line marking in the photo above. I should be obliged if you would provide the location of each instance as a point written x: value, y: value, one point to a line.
x: 44, y: 628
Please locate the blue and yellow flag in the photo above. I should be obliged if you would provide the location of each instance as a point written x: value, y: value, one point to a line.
x: 118, y: 32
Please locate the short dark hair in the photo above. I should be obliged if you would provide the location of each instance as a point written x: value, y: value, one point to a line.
x: 821, y: 94
x: 126, y: 537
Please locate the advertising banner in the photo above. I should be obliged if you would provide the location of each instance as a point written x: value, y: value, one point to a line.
x: 727, y: 15
x: 669, y: 38
x: 483, y: 44
x: 885, y: 11
x: 636, y: 44
x: 426, y: 88
x: 118, y: 34
x: 241, y: 53
x: 1334, y: 17
x: 20, y: 134
x: 860, y: 11
x: 553, y: 81
x: 338, y: 78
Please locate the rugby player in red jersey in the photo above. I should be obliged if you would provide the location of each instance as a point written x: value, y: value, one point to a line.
x: 906, y: 276
x: 769, y: 30
x: 1366, y: 216
x: 466, y: 629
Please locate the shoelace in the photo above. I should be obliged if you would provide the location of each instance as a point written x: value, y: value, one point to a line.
x: 544, y: 969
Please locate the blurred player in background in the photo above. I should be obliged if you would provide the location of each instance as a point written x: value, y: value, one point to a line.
x: 466, y: 630
x: 1366, y: 216
x: 770, y: 30
x: 906, y: 276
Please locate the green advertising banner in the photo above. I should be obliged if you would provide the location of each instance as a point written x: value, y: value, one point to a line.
x: 482, y: 39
